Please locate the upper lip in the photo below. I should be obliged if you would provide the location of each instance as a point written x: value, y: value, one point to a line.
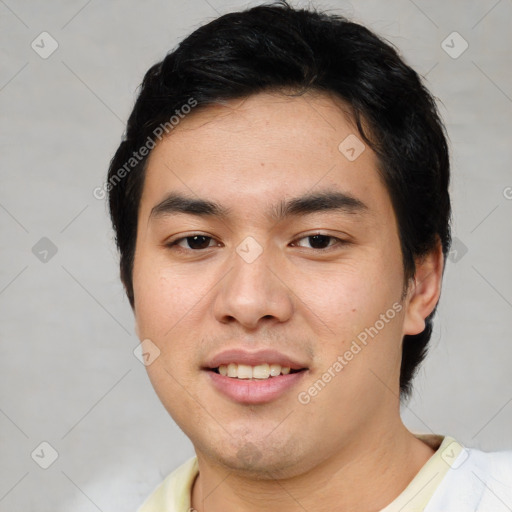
x: 255, y: 358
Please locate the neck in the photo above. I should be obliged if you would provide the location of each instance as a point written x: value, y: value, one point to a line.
x: 366, y: 475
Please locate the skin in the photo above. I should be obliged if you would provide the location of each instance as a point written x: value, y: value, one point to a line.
x: 347, y: 449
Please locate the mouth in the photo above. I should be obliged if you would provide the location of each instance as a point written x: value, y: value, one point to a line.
x: 254, y: 373
x: 255, y: 385
x: 254, y: 377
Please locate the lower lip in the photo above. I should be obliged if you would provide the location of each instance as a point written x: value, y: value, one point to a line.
x: 245, y: 391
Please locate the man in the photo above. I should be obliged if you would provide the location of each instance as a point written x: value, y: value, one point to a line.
x: 281, y: 208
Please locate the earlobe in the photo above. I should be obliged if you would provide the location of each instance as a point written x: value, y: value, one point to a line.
x: 424, y: 290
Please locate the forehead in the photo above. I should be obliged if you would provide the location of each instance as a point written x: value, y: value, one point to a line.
x: 249, y: 151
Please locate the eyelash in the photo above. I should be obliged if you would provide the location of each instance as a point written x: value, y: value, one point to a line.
x: 174, y: 244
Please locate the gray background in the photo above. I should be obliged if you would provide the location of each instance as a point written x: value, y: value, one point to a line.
x: 68, y: 373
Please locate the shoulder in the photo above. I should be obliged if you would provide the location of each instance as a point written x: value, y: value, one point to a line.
x: 476, y: 481
x: 173, y: 493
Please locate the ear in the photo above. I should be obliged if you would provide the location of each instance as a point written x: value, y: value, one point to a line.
x: 424, y: 290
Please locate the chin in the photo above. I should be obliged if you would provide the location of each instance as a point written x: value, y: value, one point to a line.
x: 260, y: 460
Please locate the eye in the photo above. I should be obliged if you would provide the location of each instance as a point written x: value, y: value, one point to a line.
x: 199, y: 242
x: 193, y: 242
x: 321, y: 242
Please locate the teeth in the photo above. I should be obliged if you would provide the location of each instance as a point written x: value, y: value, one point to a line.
x: 261, y: 371
x: 232, y: 370
x: 275, y: 370
x: 244, y: 371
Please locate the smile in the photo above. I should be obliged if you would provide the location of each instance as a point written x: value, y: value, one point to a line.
x: 246, y: 390
x: 259, y: 372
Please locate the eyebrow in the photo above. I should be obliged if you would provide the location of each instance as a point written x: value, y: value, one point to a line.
x: 299, y: 206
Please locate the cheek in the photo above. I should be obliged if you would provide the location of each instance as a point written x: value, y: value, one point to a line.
x: 354, y: 309
x: 153, y: 301
x: 344, y: 297
x: 162, y: 297
x: 164, y: 311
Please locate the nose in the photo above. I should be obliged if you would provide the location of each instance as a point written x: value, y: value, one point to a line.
x: 254, y: 292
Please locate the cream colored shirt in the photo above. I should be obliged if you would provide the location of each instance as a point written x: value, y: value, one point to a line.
x: 174, y: 493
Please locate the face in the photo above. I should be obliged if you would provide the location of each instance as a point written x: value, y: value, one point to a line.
x: 261, y: 243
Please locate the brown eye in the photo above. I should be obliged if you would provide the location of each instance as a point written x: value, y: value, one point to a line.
x: 198, y: 241
x: 320, y: 242
x: 194, y: 242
